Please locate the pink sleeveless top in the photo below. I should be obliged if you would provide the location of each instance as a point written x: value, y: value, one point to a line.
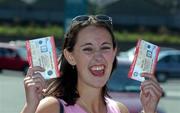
x: 111, y: 107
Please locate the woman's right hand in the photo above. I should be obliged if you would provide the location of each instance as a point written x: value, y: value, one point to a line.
x: 34, y: 85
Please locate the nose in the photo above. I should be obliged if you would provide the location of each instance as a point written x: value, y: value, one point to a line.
x: 98, y: 56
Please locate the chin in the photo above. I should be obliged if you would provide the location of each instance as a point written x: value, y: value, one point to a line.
x: 99, y: 84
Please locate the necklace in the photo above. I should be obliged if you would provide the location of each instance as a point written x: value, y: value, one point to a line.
x: 85, y: 105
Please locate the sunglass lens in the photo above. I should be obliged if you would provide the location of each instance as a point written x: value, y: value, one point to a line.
x: 82, y: 18
x: 103, y: 17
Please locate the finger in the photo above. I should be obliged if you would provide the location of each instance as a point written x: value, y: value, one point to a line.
x: 40, y: 82
x: 29, y: 83
x: 34, y: 84
x: 38, y: 78
x: 38, y: 75
x: 27, y: 78
x: 152, y: 85
x: 150, y: 94
x: 152, y: 90
x: 34, y: 69
x: 149, y: 76
x: 29, y: 72
x: 39, y: 88
x: 151, y: 82
x: 146, y: 95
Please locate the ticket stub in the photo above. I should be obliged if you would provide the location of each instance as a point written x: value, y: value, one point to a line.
x: 145, y: 59
x: 42, y: 52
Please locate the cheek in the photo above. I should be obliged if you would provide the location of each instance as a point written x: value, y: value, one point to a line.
x: 82, y: 60
x: 109, y: 57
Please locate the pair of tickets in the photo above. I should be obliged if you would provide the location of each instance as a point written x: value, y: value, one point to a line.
x: 145, y: 59
x: 42, y: 52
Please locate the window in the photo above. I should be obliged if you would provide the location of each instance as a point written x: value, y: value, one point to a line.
x: 2, y: 52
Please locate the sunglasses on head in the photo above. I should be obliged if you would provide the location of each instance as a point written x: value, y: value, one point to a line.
x: 99, y: 18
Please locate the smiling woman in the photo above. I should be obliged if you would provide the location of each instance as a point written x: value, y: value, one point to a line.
x: 86, y: 63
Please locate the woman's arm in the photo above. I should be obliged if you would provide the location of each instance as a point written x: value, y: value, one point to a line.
x: 48, y: 105
x: 27, y: 109
x: 34, y: 84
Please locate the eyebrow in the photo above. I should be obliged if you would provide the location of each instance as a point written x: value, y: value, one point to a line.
x: 106, y: 43
x: 87, y: 44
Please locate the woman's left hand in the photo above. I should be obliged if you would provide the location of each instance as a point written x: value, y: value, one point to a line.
x: 151, y: 93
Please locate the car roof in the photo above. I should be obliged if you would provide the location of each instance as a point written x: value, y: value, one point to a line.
x: 7, y: 45
x: 168, y: 52
x: 166, y: 48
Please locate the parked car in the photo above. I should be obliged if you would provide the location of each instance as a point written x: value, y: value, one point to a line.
x: 126, y: 90
x: 126, y: 55
x: 168, y: 65
x: 129, y: 54
x: 13, y: 57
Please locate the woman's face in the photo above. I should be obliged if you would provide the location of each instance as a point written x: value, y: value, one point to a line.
x: 93, y: 56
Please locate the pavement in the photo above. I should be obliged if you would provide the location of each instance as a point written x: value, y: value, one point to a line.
x: 12, y: 95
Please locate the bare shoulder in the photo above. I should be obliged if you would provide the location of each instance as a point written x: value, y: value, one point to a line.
x: 48, y: 105
x: 122, y: 107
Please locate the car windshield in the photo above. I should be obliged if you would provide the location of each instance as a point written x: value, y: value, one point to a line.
x: 127, y: 53
x: 22, y: 52
x: 120, y: 82
x: 167, y: 52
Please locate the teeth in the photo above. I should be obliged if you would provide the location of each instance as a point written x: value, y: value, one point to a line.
x: 98, y: 68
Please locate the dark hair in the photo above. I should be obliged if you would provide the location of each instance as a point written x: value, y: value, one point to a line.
x: 65, y: 87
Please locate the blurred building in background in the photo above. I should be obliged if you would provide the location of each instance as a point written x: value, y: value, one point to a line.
x: 125, y: 13
x: 40, y: 11
x: 150, y: 13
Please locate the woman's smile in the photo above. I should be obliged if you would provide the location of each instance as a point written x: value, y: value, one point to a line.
x: 97, y: 70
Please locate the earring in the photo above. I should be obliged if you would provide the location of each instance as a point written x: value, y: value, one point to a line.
x: 73, y: 66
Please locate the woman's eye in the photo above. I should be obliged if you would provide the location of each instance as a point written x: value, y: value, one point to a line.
x: 106, y: 48
x: 88, y: 49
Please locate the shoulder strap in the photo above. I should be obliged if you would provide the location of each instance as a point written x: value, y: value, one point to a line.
x: 122, y: 107
x: 61, y: 107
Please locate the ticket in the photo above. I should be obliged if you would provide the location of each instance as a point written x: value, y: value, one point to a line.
x: 145, y: 59
x: 42, y: 52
